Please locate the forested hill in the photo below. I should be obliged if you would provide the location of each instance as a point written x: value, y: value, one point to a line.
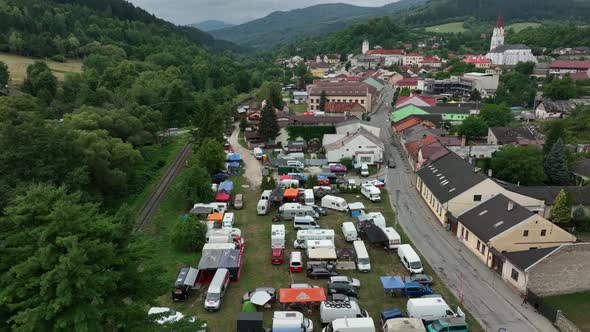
x: 285, y: 26
x: 44, y: 28
x: 438, y: 11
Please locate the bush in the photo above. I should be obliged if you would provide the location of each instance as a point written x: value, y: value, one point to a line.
x: 189, y: 235
x: 346, y: 162
x: 58, y: 58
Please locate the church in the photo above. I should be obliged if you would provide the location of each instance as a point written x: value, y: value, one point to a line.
x: 507, y: 55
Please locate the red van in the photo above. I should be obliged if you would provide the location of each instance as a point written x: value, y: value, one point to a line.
x: 277, y: 256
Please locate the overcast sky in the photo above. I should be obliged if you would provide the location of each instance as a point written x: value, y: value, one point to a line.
x: 231, y: 11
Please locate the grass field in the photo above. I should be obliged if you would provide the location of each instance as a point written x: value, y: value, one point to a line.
x: 521, y: 26
x: 17, y: 65
x: 298, y: 108
x: 574, y: 306
x: 453, y: 27
x: 257, y: 270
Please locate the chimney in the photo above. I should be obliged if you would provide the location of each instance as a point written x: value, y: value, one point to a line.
x: 490, y: 172
x: 510, y: 205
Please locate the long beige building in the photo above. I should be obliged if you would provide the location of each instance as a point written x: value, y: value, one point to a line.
x: 341, y: 92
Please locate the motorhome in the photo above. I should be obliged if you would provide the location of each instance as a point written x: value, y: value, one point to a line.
x: 262, y: 207
x: 309, y: 198
x: 208, y: 208
x: 305, y: 222
x: 277, y: 237
x: 363, y: 263
x: 371, y: 192
x: 228, y: 220
x: 409, y: 258
x: 312, y: 234
x: 266, y: 195
x: 315, y: 244
x: 334, y: 203
x: 222, y: 235
x: 258, y: 153
x: 430, y: 309
x: 291, y: 321
x: 393, y: 238
x: 351, y: 325
x: 349, y: 231
x: 331, y: 310
x: 289, y: 211
x: 217, y: 289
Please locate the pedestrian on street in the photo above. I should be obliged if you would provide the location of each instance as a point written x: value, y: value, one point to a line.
x: 524, y: 299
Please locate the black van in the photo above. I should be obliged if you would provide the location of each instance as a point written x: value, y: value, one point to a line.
x: 185, y: 281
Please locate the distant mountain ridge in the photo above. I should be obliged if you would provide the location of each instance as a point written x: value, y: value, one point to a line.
x: 284, y: 26
x: 211, y: 25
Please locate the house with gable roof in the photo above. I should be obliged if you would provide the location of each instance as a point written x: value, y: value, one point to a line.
x: 361, y: 146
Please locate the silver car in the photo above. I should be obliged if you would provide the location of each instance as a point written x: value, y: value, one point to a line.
x: 346, y: 280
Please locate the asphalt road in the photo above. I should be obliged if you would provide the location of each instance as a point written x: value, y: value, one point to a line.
x: 489, y: 299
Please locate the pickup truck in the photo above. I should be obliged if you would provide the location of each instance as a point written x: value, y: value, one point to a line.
x: 414, y: 289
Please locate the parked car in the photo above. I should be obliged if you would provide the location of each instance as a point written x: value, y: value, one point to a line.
x: 346, y: 280
x: 277, y: 256
x: 337, y: 168
x: 414, y: 289
x: 271, y: 291
x: 391, y: 163
x: 340, y: 298
x: 303, y: 286
x: 420, y: 278
x: 219, y: 177
x: 238, y: 201
x: 321, y: 271
x: 320, y: 210
x: 342, y: 288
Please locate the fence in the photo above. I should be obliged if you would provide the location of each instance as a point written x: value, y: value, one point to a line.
x: 307, y: 162
x: 555, y: 316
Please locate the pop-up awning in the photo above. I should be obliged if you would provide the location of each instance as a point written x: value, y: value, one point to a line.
x: 291, y: 193
x: 301, y: 295
x: 390, y: 283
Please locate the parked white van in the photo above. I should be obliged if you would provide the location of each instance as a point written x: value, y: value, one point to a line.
x: 363, y: 263
x: 393, y: 238
x: 228, y: 220
x: 217, y: 235
x: 277, y: 236
x: 409, y: 258
x: 331, y: 310
x: 334, y: 203
x: 262, y: 207
x: 431, y: 309
x: 305, y: 222
x: 364, y: 169
x: 217, y: 289
x: 351, y: 325
x: 349, y: 231
x: 296, y: 164
x: 288, y: 321
x: 371, y: 192
x: 312, y: 234
x: 258, y: 153
x: 266, y: 194
x: 309, y: 197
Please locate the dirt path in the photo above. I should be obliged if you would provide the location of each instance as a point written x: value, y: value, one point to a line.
x: 252, y: 167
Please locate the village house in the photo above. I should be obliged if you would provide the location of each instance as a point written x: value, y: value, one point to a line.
x: 341, y: 92
x: 416, y: 100
x: 432, y: 62
x: 394, y: 78
x: 554, y: 109
x: 328, y: 58
x: 428, y: 120
x: 412, y: 59
x: 480, y: 62
x: 344, y: 109
x: 454, y: 113
x: 499, y: 225
x: 286, y: 120
x: 522, y: 136
x: 387, y: 57
x: 361, y: 146
x: 409, y: 83
x: 424, y: 151
x: 580, y: 196
x: 559, y: 67
x: 319, y: 69
x: 352, y: 125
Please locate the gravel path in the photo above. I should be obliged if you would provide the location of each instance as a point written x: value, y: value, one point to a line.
x: 252, y: 167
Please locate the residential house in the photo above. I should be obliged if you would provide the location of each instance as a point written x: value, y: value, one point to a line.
x: 341, y: 92
x: 469, y: 151
x: 500, y: 225
x: 412, y: 59
x: 580, y: 195
x: 394, y: 78
x: 581, y: 169
x: 328, y: 58
x: 287, y: 120
x: 416, y: 99
x: 409, y: 82
x: 451, y: 186
x: 522, y: 136
x: 253, y: 139
x: 362, y: 147
x: 374, y: 82
x: 426, y: 120
x: 424, y: 151
x: 365, y: 61
x: 478, y: 61
x: 344, y: 109
x: 558, y: 67
x: 319, y: 69
x: 352, y: 125
x: 432, y: 62
x: 387, y: 57
x: 296, y: 146
x: 450, y: 112
x: 549, y: 271
x: 405, y: 111
x: 552, y: 109
x: 581, y: 76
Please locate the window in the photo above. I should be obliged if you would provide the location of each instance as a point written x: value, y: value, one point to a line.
x: 477, y: 246
x: 483, y: 249
x: 362, y: 101
x: 466, y: 235
x: 462, y: 232
x: 543, y: 232
x: 514, y: 275
x: 477, y: 198
x: 525, y: 233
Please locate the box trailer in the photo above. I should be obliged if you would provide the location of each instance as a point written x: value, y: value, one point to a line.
x: 277, y: 237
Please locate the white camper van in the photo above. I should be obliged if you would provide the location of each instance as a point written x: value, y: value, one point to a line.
x: 393, y: 238
x: 289, y: 183
x: 305, y: 222
x: 312, y: 234
x: 430, y: 309
x: 262, y: 207
x: 217, y: 289
x: 228, y: 220
x: 409, y: 258
x: 317, y: 244
x: 309, y: 197
x: 349, y: 231
x: 258, y: 153
x: 363, y: 263
x: 371, y: 192
x: 277, y: 236
x: 334, y: 203
x: 291, y: 321
x: 266, y: 195
x: 351, y: 325
x: 331, y: 310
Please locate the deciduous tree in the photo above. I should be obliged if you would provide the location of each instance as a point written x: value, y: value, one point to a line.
x: 188, y: 234
x: 560, y: 89
x: 4, y: 74
x: 211, y: 155
x: 196, y: 185
x: 496, y: 115
x: 518, y: 164
x: 40, y: 81
x: 473, y: 126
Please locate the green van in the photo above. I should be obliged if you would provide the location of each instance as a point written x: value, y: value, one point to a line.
x: 456, y: 324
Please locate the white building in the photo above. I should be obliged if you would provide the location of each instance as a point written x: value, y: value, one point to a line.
x: 509, y: 55
x: 353, y: 125
x: 362, y: 147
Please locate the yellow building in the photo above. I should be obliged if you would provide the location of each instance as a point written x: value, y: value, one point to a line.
x: 341, y: 92
x: 499, y: 225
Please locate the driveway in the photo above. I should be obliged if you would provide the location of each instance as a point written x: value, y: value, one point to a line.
x: 489, y: 299
x: 252, y: 167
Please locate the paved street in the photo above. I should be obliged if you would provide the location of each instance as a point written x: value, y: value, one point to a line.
x: 493, y: 303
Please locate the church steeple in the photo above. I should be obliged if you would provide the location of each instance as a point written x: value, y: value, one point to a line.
x: 498, y: 35
x: 499, y: 21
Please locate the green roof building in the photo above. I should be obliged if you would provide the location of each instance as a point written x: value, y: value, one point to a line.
x: 449, y: 112
x: 406, y: 111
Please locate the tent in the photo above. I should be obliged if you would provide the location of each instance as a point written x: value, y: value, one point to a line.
x: 233, y: 157
x: 233, y: 164
x: 260, y: 298
x: 291, y: 193
x: 213, y: 259
x: 250, y: 322
x: 248, y: 307
x: 215, y: 217
x: 285, y: 177
x: 374, y: 234
x: 301, y: 295
x: 392, y: 283
x: 222, y: 197
x: 226, y: 186
x: 276, y: 196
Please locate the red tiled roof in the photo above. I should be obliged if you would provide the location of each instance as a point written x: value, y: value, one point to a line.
x: 580, y: 76
x: 430, y: 100
x: 384, y: 52
x: 477, y: 59
x: 405, y: 124
x: 410, y: 81
x: 570, y: 64
x: 430, y: 60
x: 340, y: 88
x: 413, y: 54
x: 339, y: 107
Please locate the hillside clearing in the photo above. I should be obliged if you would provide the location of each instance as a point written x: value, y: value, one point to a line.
x: 521, y: 26
x: 17, y: 65
x: 453, y: 27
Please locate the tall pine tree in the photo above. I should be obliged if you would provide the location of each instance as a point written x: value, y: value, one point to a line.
x: 556, y: 164
x: 268, y: 128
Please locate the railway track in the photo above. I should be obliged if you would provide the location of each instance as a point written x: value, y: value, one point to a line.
x: 151, y: 205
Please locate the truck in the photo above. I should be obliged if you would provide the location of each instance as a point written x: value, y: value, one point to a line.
x: 291, y: 321
x: 305, y: 235
x: 277, y: 237
x: 371, y: 192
